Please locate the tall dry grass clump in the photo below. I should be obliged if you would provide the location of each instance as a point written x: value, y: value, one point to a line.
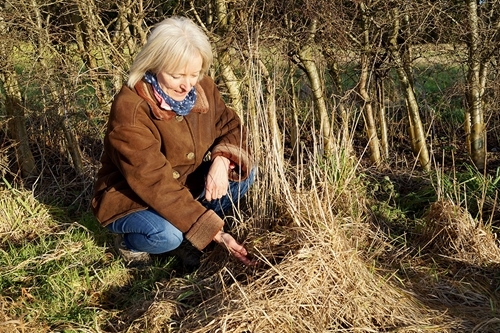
x: 320, y: 285
x: 301, y: 226
x: 450, y: 230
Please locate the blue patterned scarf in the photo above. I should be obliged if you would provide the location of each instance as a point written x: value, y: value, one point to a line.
x: 181, y: 108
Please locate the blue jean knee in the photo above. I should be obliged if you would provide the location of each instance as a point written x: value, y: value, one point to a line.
x: 147, y: 231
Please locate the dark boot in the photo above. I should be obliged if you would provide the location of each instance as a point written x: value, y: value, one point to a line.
x: 188, y: 255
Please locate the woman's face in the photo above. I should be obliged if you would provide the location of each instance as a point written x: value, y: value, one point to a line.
x: 179, y: 83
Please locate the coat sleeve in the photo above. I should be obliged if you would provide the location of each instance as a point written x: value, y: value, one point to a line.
x: 231, y: 137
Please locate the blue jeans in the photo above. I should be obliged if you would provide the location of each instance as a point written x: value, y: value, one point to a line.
x: 148, y: 231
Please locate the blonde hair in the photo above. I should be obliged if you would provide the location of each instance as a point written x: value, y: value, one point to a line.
x: 170, y: 46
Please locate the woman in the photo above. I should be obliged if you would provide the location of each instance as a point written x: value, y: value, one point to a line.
x: 175, y: 156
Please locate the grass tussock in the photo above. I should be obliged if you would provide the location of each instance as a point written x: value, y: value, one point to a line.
x: 311, y: 278
x: 22, y: 215
x: 318, y: 287
x: 451, y: 231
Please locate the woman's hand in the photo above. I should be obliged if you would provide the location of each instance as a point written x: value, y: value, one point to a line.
x: 237, y: 250
x: 217, y: 182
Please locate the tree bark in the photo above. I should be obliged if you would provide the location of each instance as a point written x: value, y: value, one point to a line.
x: 475, y: 90
x: 417, y: 133
x: 306, y: 56
x: 384, y: 141
x: 224, y: 57
x: 13, y: 105
x: 270, y: 102
x: 17, y: 123
x: 369, y: 119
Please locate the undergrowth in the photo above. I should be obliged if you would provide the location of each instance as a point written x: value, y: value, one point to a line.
x: 366, y: 236
x: 61, y: 276
x: 340, y: 248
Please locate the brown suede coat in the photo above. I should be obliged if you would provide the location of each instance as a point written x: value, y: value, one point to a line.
x: 153, y: 158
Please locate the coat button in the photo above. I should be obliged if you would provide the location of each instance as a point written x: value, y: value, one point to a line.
x: 179, y: 118
x: 176, y: 175
x: 190, y: 156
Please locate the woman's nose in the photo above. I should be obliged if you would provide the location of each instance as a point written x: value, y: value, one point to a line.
x: 186, y: 84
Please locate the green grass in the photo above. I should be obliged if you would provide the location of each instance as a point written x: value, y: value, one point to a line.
x: 474, y: 190
x: 55, y: 277
x: 65, y: 277
x: 437, y: 87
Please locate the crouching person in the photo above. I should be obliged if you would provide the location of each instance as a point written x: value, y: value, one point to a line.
x: 175, y: 156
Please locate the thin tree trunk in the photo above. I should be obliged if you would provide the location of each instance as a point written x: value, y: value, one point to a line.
x: 224, y: 58
x: 13, y: 106
x: 231, y: 81
x: 477, y: 137
x: 270, y: 102
x: 344, y: 119
x: 382, y: 117
x: 17, y: 123
x: 295, y: 130
x: 369, y: 119
x: 417, y: 133
x: 307, y: 57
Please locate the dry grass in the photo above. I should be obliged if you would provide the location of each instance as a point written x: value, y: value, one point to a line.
x: 451, y: 231
x: 319, y: 284
x: 7, y: 323
x: 312, y: 277
x: 22, y: 215
x: 310, y: 230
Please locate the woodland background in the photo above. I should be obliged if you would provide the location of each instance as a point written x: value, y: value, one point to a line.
x: 375, y: 126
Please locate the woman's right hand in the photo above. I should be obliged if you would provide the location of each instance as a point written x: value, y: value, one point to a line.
x: 217, y: 182
x: 235, y: 249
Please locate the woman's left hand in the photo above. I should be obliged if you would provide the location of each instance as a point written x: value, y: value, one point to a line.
x: 237, y: 250
x: 217, y: 182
